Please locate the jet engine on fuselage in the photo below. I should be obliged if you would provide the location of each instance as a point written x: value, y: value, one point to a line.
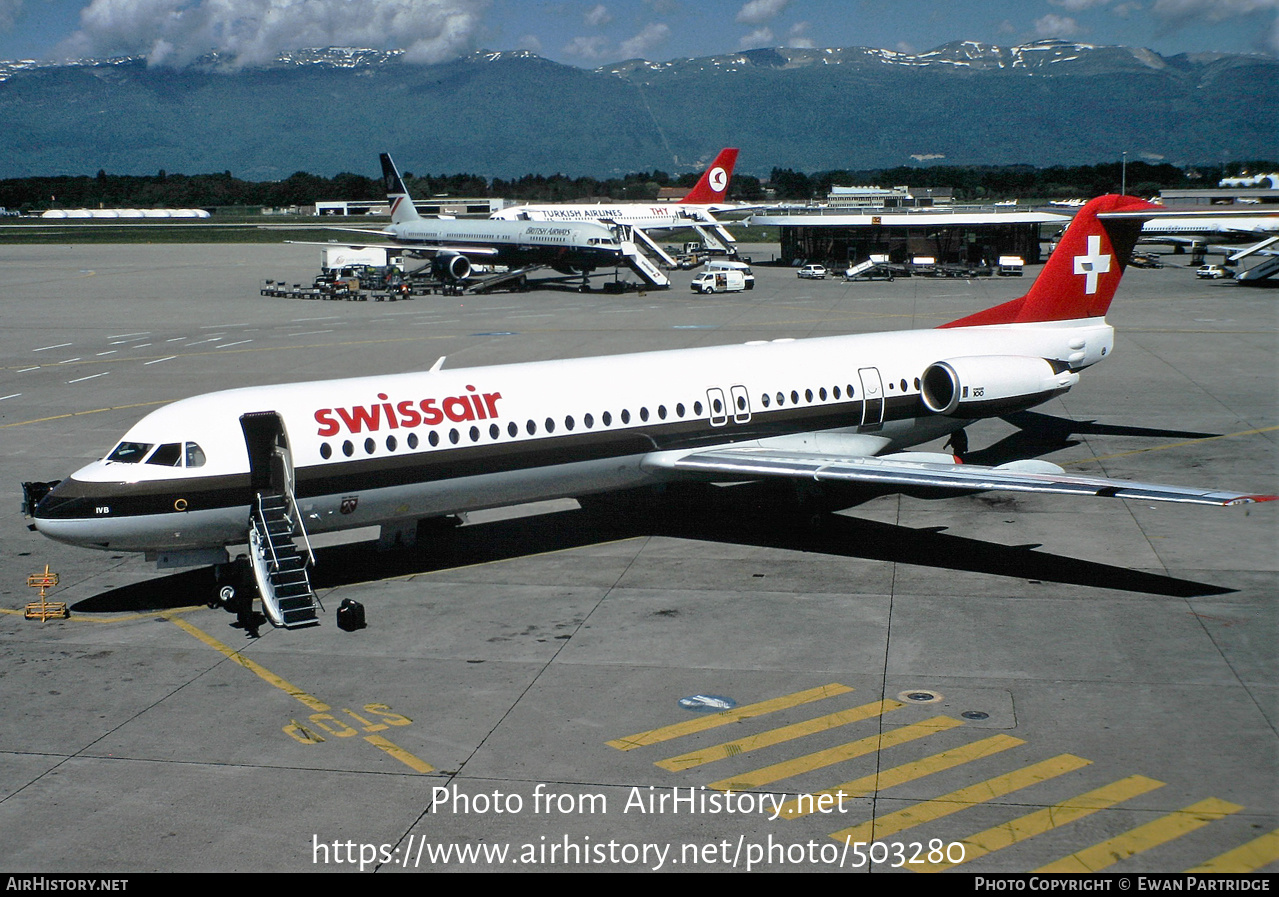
x: 451, y: 266
x: 991, y: 385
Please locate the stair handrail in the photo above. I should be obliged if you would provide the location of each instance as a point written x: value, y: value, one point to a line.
x: 265, y: 532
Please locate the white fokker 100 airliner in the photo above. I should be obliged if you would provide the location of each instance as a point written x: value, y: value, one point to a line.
x: 266, y: 464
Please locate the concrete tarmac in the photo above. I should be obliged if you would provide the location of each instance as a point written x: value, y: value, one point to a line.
x: 1002, y: 683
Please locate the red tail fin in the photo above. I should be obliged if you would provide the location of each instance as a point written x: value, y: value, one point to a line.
x: 713, y: 185
x: 1081, y: 275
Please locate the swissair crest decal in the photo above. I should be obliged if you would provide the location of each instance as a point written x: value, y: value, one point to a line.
x: 1092, y: 265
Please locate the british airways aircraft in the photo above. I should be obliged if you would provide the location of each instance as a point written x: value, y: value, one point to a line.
x: 455, y: 245
x: 267, y: 465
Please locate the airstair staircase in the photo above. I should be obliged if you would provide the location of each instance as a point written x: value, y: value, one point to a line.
x: 279, y: 564
x: 638, y: 262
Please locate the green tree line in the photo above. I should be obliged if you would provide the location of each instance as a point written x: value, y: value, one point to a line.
x: 970, y: 183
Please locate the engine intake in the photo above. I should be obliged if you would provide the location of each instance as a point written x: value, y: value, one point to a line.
x: 990, y: 385
x: 451, y: 266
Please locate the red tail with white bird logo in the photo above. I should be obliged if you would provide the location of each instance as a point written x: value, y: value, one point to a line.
x: 1081, y: 275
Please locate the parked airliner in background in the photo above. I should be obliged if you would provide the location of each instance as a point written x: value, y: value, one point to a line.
x: 268, y: 464
x: 456, y: 245
x: 696, y: 210
x: 706, y: 197
x: 1184, y: 228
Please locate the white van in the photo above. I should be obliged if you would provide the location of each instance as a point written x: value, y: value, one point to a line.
x: 730, y: 281
x: 741, y: 267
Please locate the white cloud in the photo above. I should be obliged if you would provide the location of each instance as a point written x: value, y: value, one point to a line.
x: 756, y: 12
x: 1078, y: 5
x: 1053, y: 25
x: 253, y: 32
x: 1186, y: 11
x: 646, y: 41
x: 9, y: 12
x: 797, y: 36
x: 1176, y: 14
x: 760, y: 37
x: 598, y: 16
x: 591, y: 49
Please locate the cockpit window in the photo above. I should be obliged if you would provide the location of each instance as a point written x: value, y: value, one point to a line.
x: 167, y: 455
x: 195, y: 455
x: 130, y: 452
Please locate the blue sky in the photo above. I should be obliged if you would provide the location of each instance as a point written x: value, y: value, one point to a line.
x: 589, y: 33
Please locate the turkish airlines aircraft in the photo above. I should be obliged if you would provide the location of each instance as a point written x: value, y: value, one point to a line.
x: 697, y: 208
x: 206, y: 472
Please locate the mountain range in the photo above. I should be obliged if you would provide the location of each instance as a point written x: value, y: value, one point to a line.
x: 507, y: 114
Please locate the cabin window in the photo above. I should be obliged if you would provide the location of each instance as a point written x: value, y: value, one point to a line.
x: 836, y: 391
x: 434, y: 438
x: 347, y: 448
x: 763, y: 400
x: 568, y: 422
x: 679, y: 409
x: 167, y: 455
x: 194, y: 455
x: 588, y: 420
x: 369, y: 445
x: 475, y: 434
x: 129, y: 452
x: 494, y: 431
x: 391, y: 443
x: 607, y: 417
x: 821, y: 393
x: 808, y: 395
x: 643, y: 414
x: 661, y: 411
x: 512, y: 429
x: 531, y: 427
x: 412, y: 440
x: 550, y: 425
x: 903, y: 386
x: 453, y: 436
x: 626, y: 416
x: 326, y: 451
x: 794, y: 397
x: 697, y: 408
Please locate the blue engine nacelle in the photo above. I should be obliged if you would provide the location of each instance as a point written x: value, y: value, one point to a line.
x: 450, y: 266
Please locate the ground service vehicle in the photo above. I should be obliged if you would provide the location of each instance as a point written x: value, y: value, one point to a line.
x: 814, y: 272
x: 718, y: 282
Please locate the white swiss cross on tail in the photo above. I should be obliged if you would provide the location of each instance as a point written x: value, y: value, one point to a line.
x: 1092, y: 265
x: 1098, y: 241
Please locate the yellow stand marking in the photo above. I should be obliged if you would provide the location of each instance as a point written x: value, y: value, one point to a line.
x: 1249, y: 858
x: 1144, y: 837
x: 399, y: 753
x: 962, y: 799
x: 907, y: 772
x: 262, y: 672
x: 737, y: 714
x: 778, y: 736
x: 293, y: 691
x: 1047, y: 819
x: 837, y: 754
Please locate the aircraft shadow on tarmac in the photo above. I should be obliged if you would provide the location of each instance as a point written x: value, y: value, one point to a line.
x: 769, y: 515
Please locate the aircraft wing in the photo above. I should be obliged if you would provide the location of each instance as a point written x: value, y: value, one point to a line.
x: 461, y: 249
x: 909, y: 470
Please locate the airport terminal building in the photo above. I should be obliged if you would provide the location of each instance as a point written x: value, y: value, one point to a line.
x: 951, y: 237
